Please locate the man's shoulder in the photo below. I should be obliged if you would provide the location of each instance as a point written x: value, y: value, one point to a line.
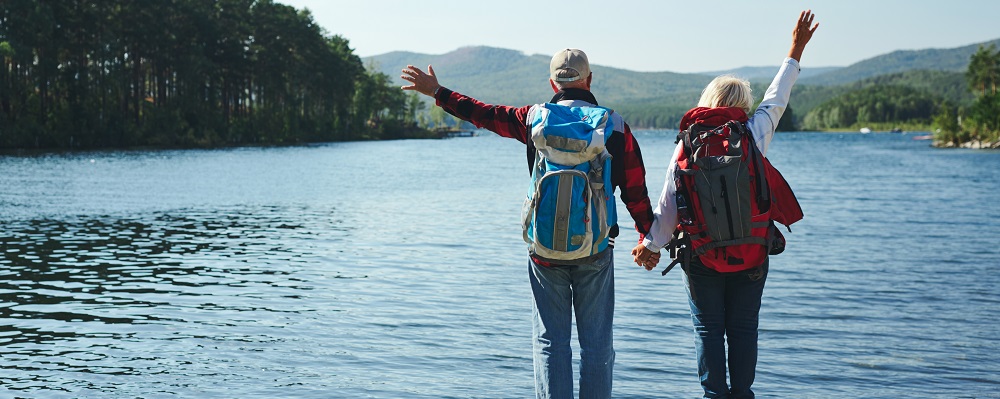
x: 619, y: 121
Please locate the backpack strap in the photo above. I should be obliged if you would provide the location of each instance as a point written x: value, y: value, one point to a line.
x: 740, y: 241
x: 680, y: 252
x: 596, y: 177
x: 763, y: 189
x: 528, y: 213
x: 685, y: 137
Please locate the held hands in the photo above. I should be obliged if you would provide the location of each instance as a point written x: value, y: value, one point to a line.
x: 802, y: 33
x: 425, y: 83
x: 644, y: 257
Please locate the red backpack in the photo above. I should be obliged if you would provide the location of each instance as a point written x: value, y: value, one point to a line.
x: 728, y: 194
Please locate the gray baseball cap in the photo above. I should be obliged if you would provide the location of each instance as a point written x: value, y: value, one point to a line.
x: 569, y: 65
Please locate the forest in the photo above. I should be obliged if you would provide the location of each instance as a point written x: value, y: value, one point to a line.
x: 963, y: 105
x: 977, y: 124
x: 185, y: 73
x: 83, y: 74
x: 874, y: 106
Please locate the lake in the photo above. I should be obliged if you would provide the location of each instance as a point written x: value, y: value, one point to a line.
x: 396, y: 270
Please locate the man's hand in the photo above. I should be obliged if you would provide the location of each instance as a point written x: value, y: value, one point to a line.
x: 644, y: 257
x: 801, y: 34
x: 425, y: 83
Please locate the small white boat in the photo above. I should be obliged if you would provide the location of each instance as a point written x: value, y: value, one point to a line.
x: 865, y: 130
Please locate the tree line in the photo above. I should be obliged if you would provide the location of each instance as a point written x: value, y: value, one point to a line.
x: 920, y: 99
x: 654, y: 116
x: 979, y: 122
x: 875, y: 106
x: 116, y: 73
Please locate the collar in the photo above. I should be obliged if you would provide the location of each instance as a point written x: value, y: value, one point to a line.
x: 574, y: 94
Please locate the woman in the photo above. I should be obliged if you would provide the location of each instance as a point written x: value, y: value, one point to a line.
x: 725, y: 304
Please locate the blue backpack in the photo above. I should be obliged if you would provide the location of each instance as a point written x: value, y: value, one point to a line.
x: 570, y: 205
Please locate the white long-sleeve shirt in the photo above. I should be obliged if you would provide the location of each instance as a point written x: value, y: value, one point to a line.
x: 761, y: 124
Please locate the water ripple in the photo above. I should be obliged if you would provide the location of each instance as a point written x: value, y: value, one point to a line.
x: 291, y: 272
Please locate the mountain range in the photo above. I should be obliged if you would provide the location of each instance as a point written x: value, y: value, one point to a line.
x: 766, y: 73
x: 504, y: 76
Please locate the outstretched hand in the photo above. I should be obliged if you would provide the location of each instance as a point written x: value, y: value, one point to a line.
x: 425, y: 83
x: 644, y: 257
x: 802, y: 34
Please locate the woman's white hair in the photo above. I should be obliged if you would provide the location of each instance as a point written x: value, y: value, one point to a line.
x: 727, y: 91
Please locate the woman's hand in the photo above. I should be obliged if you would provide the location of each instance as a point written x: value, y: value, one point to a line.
x: 802, y: 34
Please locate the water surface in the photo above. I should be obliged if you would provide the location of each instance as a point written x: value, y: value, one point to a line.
x: 395, y: 270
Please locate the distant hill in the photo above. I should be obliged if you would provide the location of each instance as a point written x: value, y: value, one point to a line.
x: 503, y: 76
x: 490, y: 74
x: 766, y: 73
x: 953, y: 59
x: 658, y: 99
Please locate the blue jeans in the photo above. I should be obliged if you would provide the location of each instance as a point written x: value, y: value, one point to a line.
x: 558, y: 291
x: 725, y: 308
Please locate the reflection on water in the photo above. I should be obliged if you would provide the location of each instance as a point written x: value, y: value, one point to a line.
x: 79, y: 294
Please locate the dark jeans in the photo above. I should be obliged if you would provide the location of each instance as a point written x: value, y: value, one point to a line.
x: 725, y: 307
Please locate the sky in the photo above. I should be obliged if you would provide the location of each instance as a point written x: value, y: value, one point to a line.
x: 666, y: 35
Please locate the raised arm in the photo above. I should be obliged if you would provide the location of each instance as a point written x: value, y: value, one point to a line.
x: 765, y: 119
x: 801, y: 34
x: 501, y: 119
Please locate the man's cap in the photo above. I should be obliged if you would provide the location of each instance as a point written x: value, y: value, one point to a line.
x: 569, y: 65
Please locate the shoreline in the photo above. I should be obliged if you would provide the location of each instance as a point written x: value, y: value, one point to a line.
x: 81, y: 150
x: 435, y: 135
x: 974, y: 144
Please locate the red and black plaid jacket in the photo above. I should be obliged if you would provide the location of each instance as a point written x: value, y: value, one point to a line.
x: 628, y: 172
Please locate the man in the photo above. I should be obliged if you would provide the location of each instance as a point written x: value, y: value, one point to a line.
x: 585, y: 285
